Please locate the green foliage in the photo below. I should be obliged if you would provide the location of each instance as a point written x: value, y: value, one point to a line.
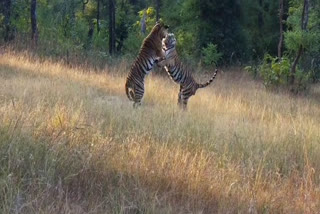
x: 253, y: 70
x: 186, y: 44
x: 202, y: 22
x: 296, y: 37
x: 240, y: 31
x: 308, y: 39
x: 222, y: 28
x: 135, y: 37
x: 314, y: 66
x: 125, y: 18
x: 211, y: 56
x: 150, y: 15
x: 183, y: 19
x: 302, y: 79
x: 275, y: 71
x: 22, y: 23
x: 133, y: 43
x: 261, y: 26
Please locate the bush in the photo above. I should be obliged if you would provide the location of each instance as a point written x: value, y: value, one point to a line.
x: 253, y: 70
x: 302, y: 80
x: 211, y: 56
x: 275, y: 71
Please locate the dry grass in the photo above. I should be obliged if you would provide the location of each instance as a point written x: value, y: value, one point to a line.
x: 70, y: 142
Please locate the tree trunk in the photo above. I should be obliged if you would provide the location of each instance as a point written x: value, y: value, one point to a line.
x: 114, y: 26
x: 281, y: 29
x: 304, y: 23
x: 112, y: 22
x: 305, y: 15
x: 157, y: 10
x: 7, y: 15
x: 90, y: 35
x: 143, y: 23
x: 34, y: 28
x: 260, y: 15
x: 98, y: 16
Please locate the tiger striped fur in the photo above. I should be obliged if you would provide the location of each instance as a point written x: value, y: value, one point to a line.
x: 150, y: 53
x: 179, y: 73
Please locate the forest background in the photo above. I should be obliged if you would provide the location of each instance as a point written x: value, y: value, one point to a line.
x: 278, y: 40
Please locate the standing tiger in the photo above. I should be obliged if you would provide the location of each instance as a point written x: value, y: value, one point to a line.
x: 178, y: 72
x: 150, y: 53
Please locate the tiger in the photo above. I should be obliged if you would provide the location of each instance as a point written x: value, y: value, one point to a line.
x: 178, y: 72
x: 149, y: 54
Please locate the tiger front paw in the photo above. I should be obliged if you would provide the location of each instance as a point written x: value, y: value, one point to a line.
x: 160, y: 61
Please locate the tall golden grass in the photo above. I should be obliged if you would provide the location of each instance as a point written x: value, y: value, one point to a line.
x: 71, y: 142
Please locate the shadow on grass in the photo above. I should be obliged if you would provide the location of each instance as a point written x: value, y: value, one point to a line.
x: 51, y: 176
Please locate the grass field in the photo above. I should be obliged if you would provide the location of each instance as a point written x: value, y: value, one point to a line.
x: 70, y: 142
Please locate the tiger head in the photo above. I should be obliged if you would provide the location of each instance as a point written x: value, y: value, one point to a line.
x: 160, y: 29
x: 169, y: 41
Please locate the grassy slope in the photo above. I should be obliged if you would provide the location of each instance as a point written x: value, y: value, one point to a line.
x: 70, y: 142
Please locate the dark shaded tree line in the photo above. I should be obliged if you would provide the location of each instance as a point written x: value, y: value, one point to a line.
x: 207, y: 21
x: 213, y: 31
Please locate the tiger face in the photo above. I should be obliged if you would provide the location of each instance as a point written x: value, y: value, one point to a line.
x: 169, y: 41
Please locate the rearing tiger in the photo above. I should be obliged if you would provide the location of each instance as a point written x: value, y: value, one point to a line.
x: 179, y: 72
x: 150, y: 53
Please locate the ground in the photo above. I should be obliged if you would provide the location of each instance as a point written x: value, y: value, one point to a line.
x: 70, y: 142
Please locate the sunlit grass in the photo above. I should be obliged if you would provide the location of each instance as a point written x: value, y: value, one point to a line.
x: 70, y: 142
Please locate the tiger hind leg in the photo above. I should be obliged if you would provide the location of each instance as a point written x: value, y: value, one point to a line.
x: 183, y: 98
x: 138, y: 95
x: 179, y: 98
x: 182, y: 102
x: 136, y: 104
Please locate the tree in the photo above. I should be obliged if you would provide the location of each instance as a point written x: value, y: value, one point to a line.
x: 125, y: 18
x: 88, y: 15
x: 112, y: 31
x: 144, y: 23
x: 157, y: 9
x: 260, y: 14
x: 7, y: 15
x: 304, y: 23
x: 260, y: 24
x: 219, y: 24
x: 281, y: 29
x: 98, y: 16
x: 34, y: 28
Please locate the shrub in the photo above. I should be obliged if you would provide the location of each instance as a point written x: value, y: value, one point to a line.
x: 253, y: 70
x: 277, y: 72
x: 211, y: 56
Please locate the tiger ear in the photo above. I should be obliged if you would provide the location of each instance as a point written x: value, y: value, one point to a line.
x: 157, y: 22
